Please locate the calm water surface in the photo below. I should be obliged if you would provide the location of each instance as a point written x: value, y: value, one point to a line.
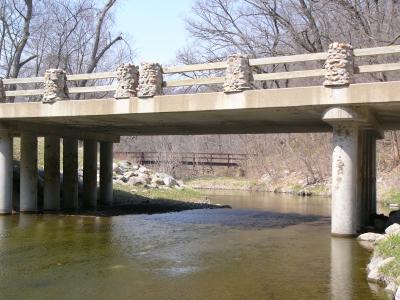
x: 267, y: 247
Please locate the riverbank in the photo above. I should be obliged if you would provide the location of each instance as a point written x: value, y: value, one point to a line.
x: 384, y: 266
x: 244, y: 184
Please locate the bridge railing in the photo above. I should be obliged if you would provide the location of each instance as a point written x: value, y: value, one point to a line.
x: 183, y: 158
x: 15, y: 87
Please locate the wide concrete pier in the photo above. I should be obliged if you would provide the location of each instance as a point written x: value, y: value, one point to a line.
x: 356, y: 113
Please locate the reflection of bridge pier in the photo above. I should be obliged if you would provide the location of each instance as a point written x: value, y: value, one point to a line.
x: 357, y: 112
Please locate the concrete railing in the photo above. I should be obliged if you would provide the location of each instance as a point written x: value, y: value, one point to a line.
x: 147, y: 80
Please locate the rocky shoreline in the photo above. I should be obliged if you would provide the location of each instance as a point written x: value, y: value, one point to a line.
x: 384, y: 266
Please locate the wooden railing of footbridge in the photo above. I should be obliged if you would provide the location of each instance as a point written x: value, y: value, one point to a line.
x: 212, y: 80
x: 188, y: 158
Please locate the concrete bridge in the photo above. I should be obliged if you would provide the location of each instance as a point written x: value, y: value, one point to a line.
x: 357, y: 113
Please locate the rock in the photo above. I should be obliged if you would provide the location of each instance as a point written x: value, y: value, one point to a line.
x: 129, y: 174
x: 391, y: 288
x: 373, y: 267
x: 124, y: 164
x: 157, y: 181
x: 137, y: 181
x: 143, y: 170
x: 394, y: 217
x: 115, y: 166
x: 304, y: 193
x: 370, y: 237
x: 169, y: 181
x: 119, y: 171
x: 393, y: 229
x: 397, y: 297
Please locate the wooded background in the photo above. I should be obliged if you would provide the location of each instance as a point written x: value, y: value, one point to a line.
x: 78, y: 36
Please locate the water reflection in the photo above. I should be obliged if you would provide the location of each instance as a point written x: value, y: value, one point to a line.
x: 266, y: 247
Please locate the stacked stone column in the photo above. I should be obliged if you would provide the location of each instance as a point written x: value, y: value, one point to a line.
x: 2, y: 91
x: 238, y: 75
x: 55, y: 86
x: 127, y: 78
x: 150, y: 80
x: 339, y: 66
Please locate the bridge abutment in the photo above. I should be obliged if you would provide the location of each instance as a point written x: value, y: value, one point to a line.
x: 6, y: 172
x: 51, y: 193
x: 28, y: 173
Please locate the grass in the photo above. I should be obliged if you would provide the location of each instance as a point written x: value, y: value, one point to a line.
x: 391, y: 197
x: 390, y: 247
x: 233, y: 183
x: 123, y: 193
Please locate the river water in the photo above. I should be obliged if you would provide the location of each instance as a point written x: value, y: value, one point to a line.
x: 267, y: 247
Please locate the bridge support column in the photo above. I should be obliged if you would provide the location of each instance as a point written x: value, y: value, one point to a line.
x: 368, y: 176
x: 89, y: 174
x: 70, y: 174
x: 6, y: 172
x: 51, y: 173
x: 106, y: 173
x: 353, y: 169
x: 28, y: 173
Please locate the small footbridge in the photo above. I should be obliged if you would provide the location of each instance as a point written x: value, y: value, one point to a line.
x: 335, y: 94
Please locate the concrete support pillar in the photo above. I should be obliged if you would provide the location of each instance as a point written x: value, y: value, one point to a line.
x: 106, y: 173
x: 89, y: 174
x: 367, y: 176
x: 6, y: 172
x: 70, y: 174
x: 51, y: 173
x: 28, y: 173
x: 353, y: 168
x: 345, y: 205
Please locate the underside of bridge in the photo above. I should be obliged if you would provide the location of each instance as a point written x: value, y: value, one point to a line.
x: 358, y: 115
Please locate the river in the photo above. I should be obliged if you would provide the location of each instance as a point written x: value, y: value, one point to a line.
x: 267, y: 247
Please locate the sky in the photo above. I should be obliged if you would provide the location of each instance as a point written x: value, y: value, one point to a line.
x: 156, y: 28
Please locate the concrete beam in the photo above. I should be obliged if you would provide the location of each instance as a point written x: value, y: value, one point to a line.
x: 106, y: 173
x: 6, y: 172
x: 89, y: 174
x: 52, y: 173
x: 70, y: 174
x: 59, y: 130
x: 28, y: 173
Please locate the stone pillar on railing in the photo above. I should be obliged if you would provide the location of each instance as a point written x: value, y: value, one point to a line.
x: 150, y: 80
x: 238, y: 75
x: 2, y: 91
x: 127, y: 77
x: 55, y: 86
x: 339, y: 66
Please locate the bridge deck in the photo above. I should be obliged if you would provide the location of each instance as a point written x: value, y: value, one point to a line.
x: 254, y: 111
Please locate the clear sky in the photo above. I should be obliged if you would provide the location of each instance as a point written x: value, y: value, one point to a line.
x: 156, y: 27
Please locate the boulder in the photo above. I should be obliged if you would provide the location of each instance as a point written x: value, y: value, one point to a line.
x: 129, y: 174
x: 135, y: 180
x: 373, y: 267
x: 119, y: 171
x: 397, y: 297
x: 169, y: 181
x: 370, y: 237
x: 393, y: 229
x: 394, y: 217
x: 124, y: 164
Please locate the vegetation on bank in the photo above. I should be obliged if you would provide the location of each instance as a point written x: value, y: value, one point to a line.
x: 125, y: 194
x: 391, y: 197
x: 240, y: 183
x: 390, y: 247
